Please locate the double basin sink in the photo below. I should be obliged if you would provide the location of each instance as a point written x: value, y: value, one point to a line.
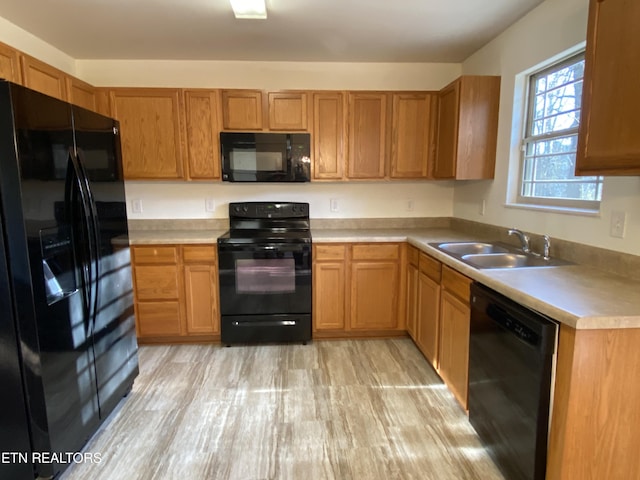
x: 495, y: 255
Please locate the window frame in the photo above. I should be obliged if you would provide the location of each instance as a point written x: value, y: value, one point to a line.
x: 526, y: 138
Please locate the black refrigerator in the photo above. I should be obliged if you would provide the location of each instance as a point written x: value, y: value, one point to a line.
x: 68, y: 350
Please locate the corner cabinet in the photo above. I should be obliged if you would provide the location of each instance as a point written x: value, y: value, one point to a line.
x: 176, y: 293
x: 608, y: 140
x: 467, y: 128
x: 151, y: 132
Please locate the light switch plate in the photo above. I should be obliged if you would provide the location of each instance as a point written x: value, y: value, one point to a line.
x: 136, y: 205
x: 333, y: 205
x: 618, y: 224
x: 209, y: 205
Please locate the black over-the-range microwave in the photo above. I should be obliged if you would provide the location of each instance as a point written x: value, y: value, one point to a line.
x: 265, y: 157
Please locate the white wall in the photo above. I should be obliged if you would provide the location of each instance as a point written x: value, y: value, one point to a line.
x: 32, y: 45
x: 268, y: 75
x: 355, y: 200
x: 547, y: 31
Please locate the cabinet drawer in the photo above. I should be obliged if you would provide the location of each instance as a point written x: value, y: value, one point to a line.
x: 376, y: 252
x: 156, y: 282
x: 431, y: 267
x: 158, y: 319
x: 199, y: 253
x: 329, y: 252
x: 154, y: 255
x: 456, y: 283
x: 413, y: 256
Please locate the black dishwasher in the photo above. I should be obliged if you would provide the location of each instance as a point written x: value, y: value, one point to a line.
x: 510, y: 370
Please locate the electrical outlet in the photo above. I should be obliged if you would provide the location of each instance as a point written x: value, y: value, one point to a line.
x: 209, y: 205
x: 409, y: 207
x: 333, y: 205
x: 136, y: 205
x: 618, y: 224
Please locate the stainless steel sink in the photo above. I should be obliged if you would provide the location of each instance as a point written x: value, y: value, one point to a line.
x: 495, y: 255
x: 469, y: 248
x: 509, y: 260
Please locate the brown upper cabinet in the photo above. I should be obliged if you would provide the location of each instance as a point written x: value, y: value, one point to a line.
x: 288, y: 111
x: 43, y: 77
x: 10, y: 64
x: 367, y: 134
x: 412, y: 134
x: 81, y: 93
x: 151, y: 131
x: 203, y: 139
x: 242, y: 110
x: 467, y: 128
x: 608, y: 141
x: 329, y: 133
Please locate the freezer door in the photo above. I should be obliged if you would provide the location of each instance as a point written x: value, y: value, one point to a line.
x: 115, y: 344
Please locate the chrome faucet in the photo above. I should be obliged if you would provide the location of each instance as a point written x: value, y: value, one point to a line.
x: 546, y: 247
x: 524, y: 239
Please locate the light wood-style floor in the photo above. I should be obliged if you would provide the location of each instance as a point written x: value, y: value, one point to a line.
x: 350, y: 409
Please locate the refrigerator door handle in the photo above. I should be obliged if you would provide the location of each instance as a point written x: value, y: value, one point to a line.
x: 86, y: 260
x: 95, y: 232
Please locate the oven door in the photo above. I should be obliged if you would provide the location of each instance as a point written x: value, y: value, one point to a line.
x: 262, y: 279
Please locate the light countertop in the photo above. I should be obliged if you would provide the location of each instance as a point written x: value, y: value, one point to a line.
x: 577, y: 295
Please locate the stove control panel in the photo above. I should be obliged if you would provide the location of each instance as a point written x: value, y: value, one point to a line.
x: 269, y: 210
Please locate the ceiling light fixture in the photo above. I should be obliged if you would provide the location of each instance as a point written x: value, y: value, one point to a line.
x: 249, y: 8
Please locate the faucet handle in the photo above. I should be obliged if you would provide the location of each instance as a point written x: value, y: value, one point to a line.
x: 546, y: 247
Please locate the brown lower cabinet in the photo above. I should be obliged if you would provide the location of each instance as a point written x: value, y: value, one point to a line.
x: 438, y: 306
x: 359, y: 290
x: 176, y: 293
x: 455, y: 317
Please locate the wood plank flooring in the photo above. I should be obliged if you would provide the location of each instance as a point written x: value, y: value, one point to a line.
x: 345, y: 410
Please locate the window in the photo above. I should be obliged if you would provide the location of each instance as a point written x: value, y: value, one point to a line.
x: 551, y: 139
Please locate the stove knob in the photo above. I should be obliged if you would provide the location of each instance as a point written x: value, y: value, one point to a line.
x: 236, y: 209
x: 293, y: 209
x: 245, y: 209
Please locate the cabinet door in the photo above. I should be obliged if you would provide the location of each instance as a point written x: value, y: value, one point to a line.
x: 288, y: 111
x: 81, y: 93
x: 429, y: 318
x: 374, y: 295
x: 156, y: 282
x: 151, y: 131
x: 367, y: 135
x: 328, y: 136
x: 10, y: 64
x: 447, y: 142
x: 608, y: 141
x: 329, y: 292
x: 158, y: 319
x: 411, y: 134
x: 43, y: 77
x: 242, y: 110
x: 103, y: 102
x: 203, y: 140
x: 201, y: 292
x: 412, y: 301
x: 454, y: 346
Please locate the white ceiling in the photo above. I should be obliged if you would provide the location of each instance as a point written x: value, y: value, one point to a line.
x: 296, y: 30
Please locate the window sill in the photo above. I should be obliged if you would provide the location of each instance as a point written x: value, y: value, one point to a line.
x: 584, y: 212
